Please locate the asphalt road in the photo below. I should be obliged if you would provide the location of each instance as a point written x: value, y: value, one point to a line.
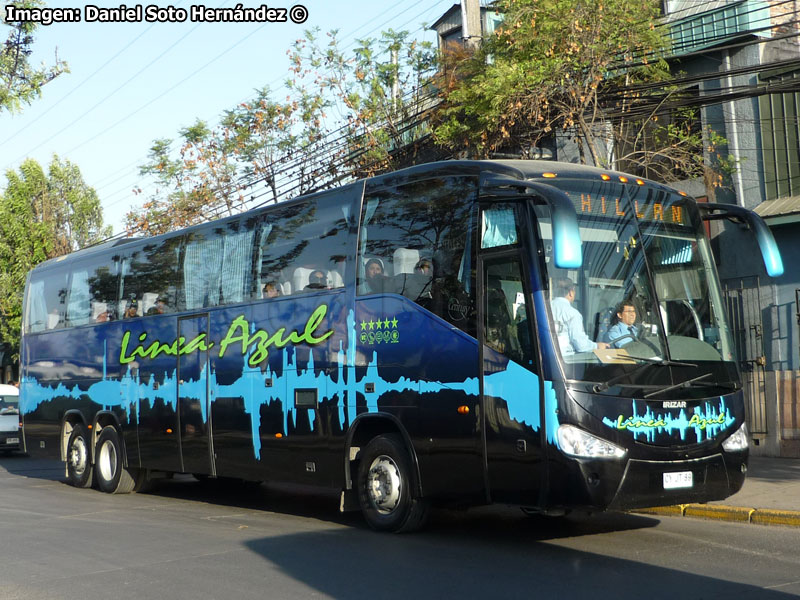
x: 186, y: 539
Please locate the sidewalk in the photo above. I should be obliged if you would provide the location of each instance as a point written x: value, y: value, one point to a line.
x: 770, y: 496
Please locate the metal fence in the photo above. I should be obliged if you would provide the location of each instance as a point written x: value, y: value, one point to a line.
x: 743, y: 300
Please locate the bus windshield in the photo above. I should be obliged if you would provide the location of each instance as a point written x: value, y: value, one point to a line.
x: 647, y: 291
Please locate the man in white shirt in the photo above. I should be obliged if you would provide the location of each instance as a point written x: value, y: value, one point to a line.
x: 572, y: 336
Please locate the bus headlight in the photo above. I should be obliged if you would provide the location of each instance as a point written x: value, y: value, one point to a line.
x: 738, y: 441
x: 577, y: 442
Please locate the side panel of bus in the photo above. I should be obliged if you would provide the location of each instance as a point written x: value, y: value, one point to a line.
x: 76, y: 375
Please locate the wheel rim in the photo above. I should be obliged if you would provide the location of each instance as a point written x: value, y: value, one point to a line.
x: 384, y: 484
x: 107, y: 461
x: 77, y: 456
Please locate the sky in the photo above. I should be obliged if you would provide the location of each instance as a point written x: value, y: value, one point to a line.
x: 131, y: 83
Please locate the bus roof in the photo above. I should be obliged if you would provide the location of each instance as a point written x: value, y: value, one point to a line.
x: 517, y: 169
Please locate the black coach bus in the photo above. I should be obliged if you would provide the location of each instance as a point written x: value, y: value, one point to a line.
x: 438, y: 335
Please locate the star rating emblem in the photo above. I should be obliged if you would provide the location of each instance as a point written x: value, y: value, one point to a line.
x: 381, y: 324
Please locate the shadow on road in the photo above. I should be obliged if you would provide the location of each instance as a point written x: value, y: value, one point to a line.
x: 20, y: 464
x: 509, y: 563
x: 487, y: 522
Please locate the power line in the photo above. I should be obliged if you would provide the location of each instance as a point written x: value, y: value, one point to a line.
x: 427, y: 9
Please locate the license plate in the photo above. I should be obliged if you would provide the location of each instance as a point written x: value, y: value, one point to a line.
x: 682, y: 479
x: 12, y: 440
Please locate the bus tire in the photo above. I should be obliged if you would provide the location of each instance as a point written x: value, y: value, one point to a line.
x: 79, y: 463
x: 385, y: 491
x: 111, y: 475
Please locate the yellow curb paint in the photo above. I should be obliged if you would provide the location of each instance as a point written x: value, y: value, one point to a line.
x: 776, y: 517
x: 738, y: 514
x: 675, y: 510
x: 719, y: 511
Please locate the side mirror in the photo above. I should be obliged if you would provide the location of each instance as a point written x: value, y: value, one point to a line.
x: 766, y: 241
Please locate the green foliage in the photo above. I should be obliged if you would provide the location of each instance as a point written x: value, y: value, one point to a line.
x: 42, y: 215
x: 362, y: 102
x: 544, y: 71
x: 379, y: 93
x: 20, y: 83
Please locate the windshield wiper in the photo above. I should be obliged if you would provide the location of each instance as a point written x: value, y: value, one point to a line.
x: 662, y: 362
x: 684, y: 384
x: 728, y: 385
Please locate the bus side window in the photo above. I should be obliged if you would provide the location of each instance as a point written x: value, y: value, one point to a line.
x: 423, y: 235
x: 92, y: 292
x: 303, y: 247
x: 151, y: 276
x: 78, y: 307
x: 46, y: 300
x: 506, y: 324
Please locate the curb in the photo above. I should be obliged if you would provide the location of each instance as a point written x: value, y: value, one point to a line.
x: 721, y: 512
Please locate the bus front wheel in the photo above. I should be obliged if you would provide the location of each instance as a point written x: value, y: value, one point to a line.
x: 112, y: 476
x: 79, y: 465
x: 385, y: 487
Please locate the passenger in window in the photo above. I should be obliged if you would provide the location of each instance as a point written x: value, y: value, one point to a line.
x: 270, y: 290
x: 571, y: 334
x: 374, y: 278
x: 317, y: 280
x: 131, y: 309
x: 624, y: 330
x: 105, y: 316
x: 424, y: 267
x: 424, y: 271
x: 159, y: 308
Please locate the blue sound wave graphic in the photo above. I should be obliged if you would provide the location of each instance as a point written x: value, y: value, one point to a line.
x: 515, y: 384
x: 706, y: 422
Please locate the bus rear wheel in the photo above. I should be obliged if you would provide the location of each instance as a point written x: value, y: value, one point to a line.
x: 112, y: 476
x: 385, y: 487
x: 79, y: 465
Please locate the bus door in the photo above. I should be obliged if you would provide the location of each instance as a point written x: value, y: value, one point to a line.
x: 510, y: 387
x: 194, y: 416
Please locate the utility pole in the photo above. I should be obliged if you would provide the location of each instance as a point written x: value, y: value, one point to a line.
x: 471, y: 23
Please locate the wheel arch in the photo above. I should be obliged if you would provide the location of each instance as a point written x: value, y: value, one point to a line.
x: 103, y: 419
x: 368, y: 426
x: 71, y: 418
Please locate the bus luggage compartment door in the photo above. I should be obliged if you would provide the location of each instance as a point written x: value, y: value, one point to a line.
x: 197, y: 452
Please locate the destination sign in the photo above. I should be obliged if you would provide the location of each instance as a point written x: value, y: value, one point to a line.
x: 612, y: 205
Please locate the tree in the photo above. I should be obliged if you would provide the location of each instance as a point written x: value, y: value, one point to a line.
x: 294, y: 146
x: 20, y: 83
x: 42, y: 215
x: 269, y: 136
x: 590, y: 71
x: 379, y: 94
x: 173, y: 205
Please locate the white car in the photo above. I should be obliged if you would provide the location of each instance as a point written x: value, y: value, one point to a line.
x: 10, y: 431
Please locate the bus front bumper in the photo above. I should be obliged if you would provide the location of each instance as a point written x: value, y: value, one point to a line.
x: 661, y: 483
